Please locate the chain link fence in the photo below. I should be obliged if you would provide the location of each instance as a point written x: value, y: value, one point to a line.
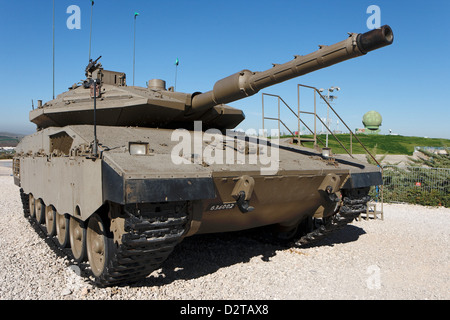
x: 416, y: 185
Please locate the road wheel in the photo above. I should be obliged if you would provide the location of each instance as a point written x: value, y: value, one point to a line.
x: 62, y: 230
x: 100, y: 247
x: 32, y: 206
x: 77, y: 234
x: 40, y: 211
x: 50, y: 220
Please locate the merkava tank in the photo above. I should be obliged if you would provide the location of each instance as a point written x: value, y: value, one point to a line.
x: 121, y: 174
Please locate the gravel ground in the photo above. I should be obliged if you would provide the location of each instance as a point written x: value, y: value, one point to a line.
x: 405, y: 256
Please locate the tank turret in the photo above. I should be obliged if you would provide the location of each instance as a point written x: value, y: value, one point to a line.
x: 156, y: 106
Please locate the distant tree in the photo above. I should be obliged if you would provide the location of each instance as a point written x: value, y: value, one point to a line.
x: 432, y: 160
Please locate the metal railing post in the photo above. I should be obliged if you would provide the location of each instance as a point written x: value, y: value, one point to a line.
x: 315, y: 121
x: 279, y: 118
x: 298, y: 115
x: 263, y: 112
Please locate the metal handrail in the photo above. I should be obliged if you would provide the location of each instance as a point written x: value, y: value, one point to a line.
x: 279, y: 119
x: 314, y: 132
x: 342, y: 121
x: 351, y: 132
x: 297, y: 115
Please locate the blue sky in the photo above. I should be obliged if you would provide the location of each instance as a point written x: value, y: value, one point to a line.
x: 406, y: 82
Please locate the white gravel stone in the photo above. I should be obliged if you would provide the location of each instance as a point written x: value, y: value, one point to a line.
x: 405, y: 256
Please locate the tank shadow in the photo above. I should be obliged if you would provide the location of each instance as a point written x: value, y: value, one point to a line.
x: 50, y: 241
x: 201, y: 255
x: 349, y: 233
x: 64, y: 253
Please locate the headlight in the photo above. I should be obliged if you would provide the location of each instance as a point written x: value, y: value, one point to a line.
x: 138, y: 148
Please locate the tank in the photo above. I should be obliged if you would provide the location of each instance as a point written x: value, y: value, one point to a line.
x: 122, y: 174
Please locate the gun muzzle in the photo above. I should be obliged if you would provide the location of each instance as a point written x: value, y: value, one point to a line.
x: 375, y: 39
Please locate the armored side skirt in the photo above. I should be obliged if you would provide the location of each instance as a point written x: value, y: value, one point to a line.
x: 79, y: 186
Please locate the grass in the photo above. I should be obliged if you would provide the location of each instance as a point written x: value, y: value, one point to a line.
x: 385, y: 144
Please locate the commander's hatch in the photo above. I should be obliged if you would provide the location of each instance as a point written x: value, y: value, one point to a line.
x: 110, y: 77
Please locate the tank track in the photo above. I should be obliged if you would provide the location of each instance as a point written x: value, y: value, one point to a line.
x: 25, y: 203
x: 150, y: 236
x: 354, y: 202
x: 151, y: 232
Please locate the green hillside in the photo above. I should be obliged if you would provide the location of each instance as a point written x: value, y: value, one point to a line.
x: 6, y: 141
x: 386, y: 144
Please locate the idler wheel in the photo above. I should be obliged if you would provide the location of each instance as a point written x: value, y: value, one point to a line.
x: 50, y: 220
x: 77, y: 234
x: 62, y: 230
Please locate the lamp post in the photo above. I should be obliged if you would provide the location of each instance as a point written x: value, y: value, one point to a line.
x: 329, y: 99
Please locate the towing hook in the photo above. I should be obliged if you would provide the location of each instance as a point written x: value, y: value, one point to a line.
x: 243, y: 205
x: 242, y: 192
x: 331, y: 195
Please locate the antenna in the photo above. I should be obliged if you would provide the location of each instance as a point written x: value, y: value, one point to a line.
x: 95, y: 146
x: 134, y: 44
x: 90, y: 32
x: 53, y: 49
x: 177, y: 62
x: 93, y: 85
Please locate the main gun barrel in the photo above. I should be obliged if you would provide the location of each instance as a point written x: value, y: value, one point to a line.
x: 246, y: 83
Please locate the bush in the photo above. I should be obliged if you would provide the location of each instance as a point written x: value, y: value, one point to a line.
x: 427, y: 198
x: 425, y: 182
x: 6, y: 156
